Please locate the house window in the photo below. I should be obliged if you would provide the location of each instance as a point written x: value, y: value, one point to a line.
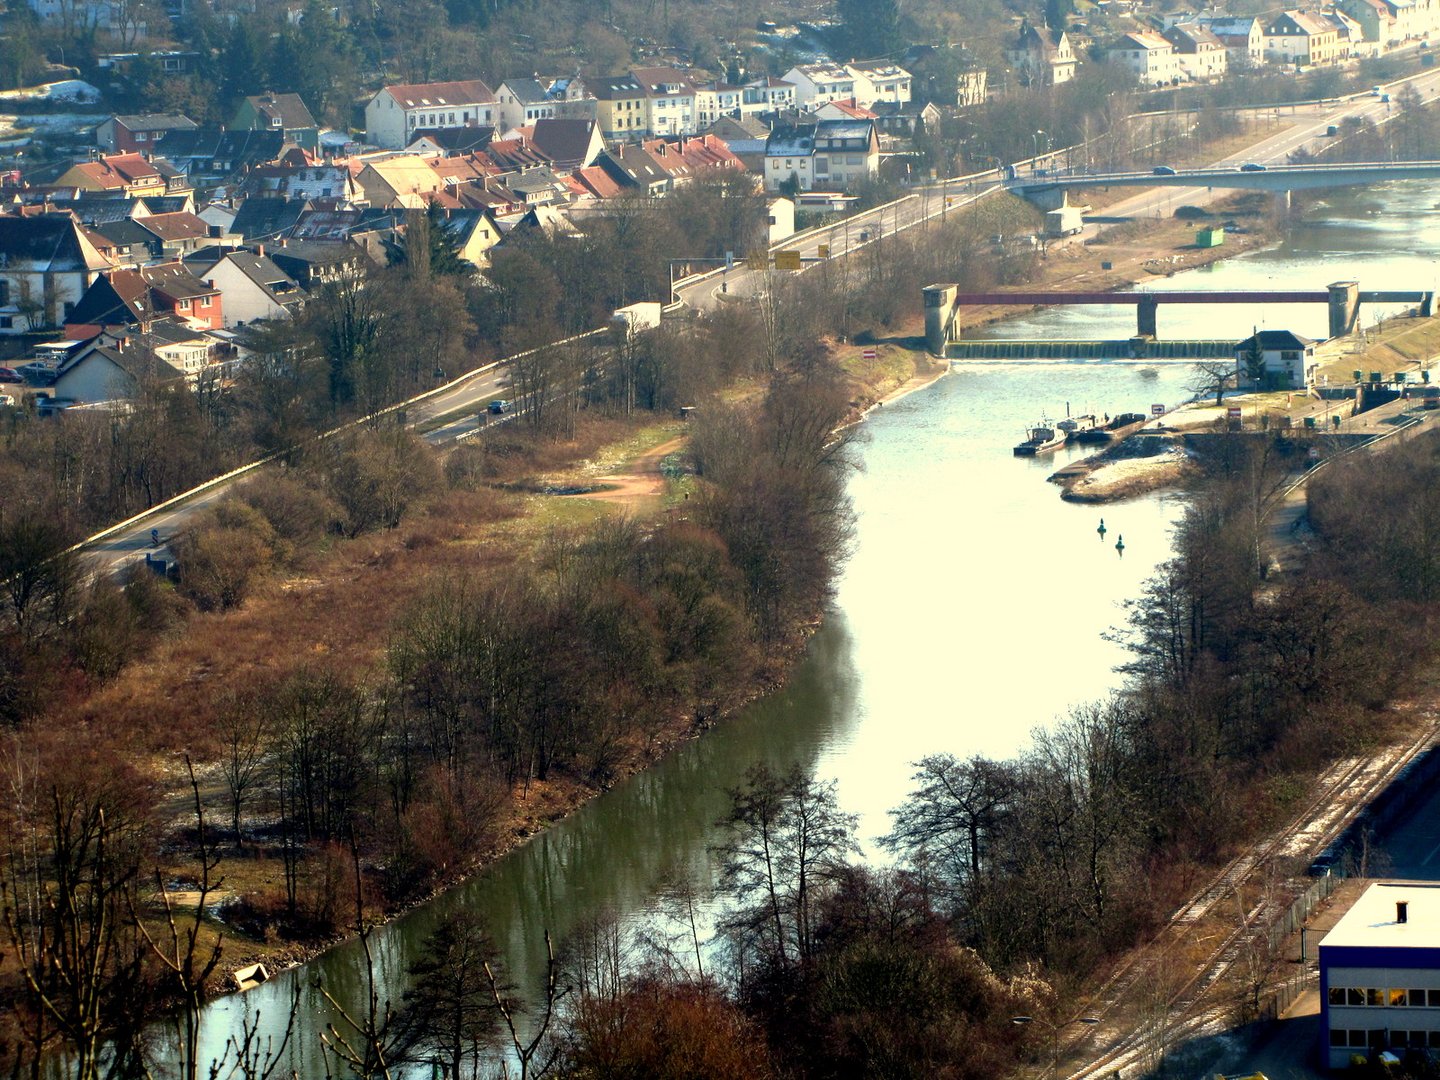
x: 205, y: 301
x: 7, y: 322
x: 4, y: 293
x: 822, y: 165
x: 276, y: 121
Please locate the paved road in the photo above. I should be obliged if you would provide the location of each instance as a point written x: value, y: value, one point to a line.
x: 111, y: 556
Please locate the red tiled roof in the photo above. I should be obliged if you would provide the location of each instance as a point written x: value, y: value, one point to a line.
x: 435, y: 95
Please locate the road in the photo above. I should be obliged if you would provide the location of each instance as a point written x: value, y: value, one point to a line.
x: 468, y: 397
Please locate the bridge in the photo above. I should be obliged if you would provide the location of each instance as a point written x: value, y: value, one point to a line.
x: 1258, y: 178
x: 944, y: 302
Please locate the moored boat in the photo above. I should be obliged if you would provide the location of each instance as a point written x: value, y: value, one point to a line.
x: 1040, y: 439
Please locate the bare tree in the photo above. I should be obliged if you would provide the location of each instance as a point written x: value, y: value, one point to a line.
x: 1212, y: 377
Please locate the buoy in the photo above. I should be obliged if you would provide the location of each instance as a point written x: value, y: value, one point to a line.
x: 1101, y: 529
x: 1120, y: 545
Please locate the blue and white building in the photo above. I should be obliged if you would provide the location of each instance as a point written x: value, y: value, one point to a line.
x: 1380, y: 974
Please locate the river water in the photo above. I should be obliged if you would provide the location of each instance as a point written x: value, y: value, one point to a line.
x: 972, y: 611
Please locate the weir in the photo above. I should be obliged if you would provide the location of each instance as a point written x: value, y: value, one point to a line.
x: 1124, y: 349
x: 943, y: 303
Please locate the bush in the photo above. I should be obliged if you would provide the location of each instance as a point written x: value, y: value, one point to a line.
x: 299, y: 514
x: 221, y: 556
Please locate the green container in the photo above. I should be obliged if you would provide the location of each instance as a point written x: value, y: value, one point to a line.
x: 1399, y: 376
x: 1357, y: 374
x: 1425, y: 375
x: 1309, y: 421
x: 1375, y: 377
x: 1210, y: 238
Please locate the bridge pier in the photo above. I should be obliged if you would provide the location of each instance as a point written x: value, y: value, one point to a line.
x: 1344, y: 307
x: 1281, y: 202
x: 1146, y: 321
x: 939, y: 314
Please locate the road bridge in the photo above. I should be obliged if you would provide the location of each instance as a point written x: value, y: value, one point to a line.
x: 944, y: 302
x: 1244, y: 177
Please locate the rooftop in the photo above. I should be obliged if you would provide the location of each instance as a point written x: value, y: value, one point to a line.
x: 1372, y: 923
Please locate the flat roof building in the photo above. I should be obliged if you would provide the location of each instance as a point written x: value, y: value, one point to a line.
x: 1380, y: 974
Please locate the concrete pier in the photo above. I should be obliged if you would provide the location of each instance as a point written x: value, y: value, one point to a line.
x: 939, y: 313
x: 1344, y: 307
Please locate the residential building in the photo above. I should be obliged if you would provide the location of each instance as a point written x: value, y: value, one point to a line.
x: 1148, y: 55
x: 473, y: 232
x: 815, y: 84
x: 140, y: 133
x: 879, y: 80
x: 715, y: 100
x: 1202, y: 55
x: 395, y: 112
x: 840, y: 110
x: 620, y: 107
x: 102, y: 373
x: 1350, y: 37
x: 669, y: 101
x: 264, y: 218
x: 1376, y: 18
x: 285, y: 113
x: 316, y: 263
x: 1243, y: 37
x: 1042, y: 57
x: 1302, y: 38
x: 156, y: 237
x: 1289, y: 360
x: 745, y: 139
x: 823, y: 155
x: 46, y: 265
x: 970, y: 88
x: 399, y: 181
x: 129, y: 176
x: 254, y: 287
x: 634, y: 169
x: 569, y: 144
x: 303, y: 182
x: 449, y: 142
x: 903, y: 120
x: 521, y: 102
x: 210, y: 155
x: 769, y: 95
x: 140, y: 296
x: 1380, y: 975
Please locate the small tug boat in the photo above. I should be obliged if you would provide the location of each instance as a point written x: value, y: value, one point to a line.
x: 1040, y: 439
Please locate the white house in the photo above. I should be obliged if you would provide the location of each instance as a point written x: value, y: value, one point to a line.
x: 1202, y: 56
x: 1042, y: 57
x: 46, y: 266
x: 1148, y: 55
x: 1243, y: 37
x: 393, y: 114
x: 1380, y: 975
x: 1304, y: 38
x: 1288, y: 359
x: 823, y: 155
x: 815, y: 84
x: 767, y: 96
x: 253, y: 286
x: 669, y: 101
x: 879, y: 80
x: 715, y: 100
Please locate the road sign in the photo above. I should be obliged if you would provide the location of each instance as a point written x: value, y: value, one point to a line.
x: 1233, y: 412
x: 729, y: 261
x: 824, y: 251
x: 787, y: 260
x: 869, y: 354
x: 1157, y: 410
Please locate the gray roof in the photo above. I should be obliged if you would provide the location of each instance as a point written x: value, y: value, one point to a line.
x: 527, y: 91
x: 565, y: 142
x: 261, y: 218
x: 49, y: 243
x: 157, y: 122
x: 791, y: 140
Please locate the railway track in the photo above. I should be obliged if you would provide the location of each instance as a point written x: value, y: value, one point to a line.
x: 1191, y: 930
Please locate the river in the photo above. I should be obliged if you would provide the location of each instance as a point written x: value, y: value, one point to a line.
x: 973, y: 610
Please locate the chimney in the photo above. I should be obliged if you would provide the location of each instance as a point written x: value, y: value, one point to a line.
x: 1402, y: 911
x: 260, y: 250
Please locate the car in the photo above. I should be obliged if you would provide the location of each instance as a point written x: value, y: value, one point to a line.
x: 1377, y: 90
x: 498, y: 406
x: 10, y: 375
x: 38, y: 371
x: 1163, y: 170
x: 1251, y: 166
x: 1333, y: 129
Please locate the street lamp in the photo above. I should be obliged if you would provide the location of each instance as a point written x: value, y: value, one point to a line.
x: 1035, y: 141
x: 1054, y: 1029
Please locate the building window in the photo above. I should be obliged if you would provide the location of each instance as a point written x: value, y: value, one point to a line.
x: 7, y: 322
x: 4, y: 293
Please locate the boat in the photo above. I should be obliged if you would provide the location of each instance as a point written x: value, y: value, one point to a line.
x: 1040, y: 439
x: 1073, y: 426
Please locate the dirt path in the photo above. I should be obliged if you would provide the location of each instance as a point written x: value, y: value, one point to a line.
x: 642, y: 481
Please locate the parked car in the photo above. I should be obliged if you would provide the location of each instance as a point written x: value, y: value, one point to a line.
x: 37, y: 371
x: 1377, y: 90
x: 1251, y: 166
x: 1333, y: 129
x: 10, y: 375
x: 498, y: 406
x: 1163, y: 170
